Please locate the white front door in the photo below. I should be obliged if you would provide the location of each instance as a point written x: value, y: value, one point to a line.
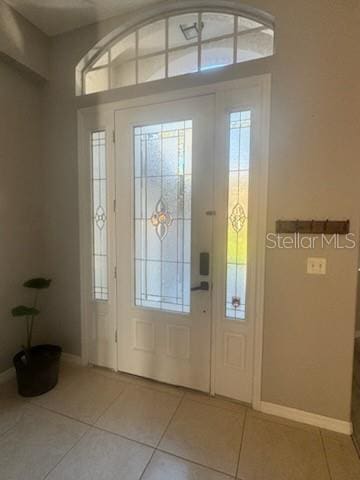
x: 190, y: 180
x: 164, y: 226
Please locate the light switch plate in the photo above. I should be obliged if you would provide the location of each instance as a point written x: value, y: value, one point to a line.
x: 316, y: 266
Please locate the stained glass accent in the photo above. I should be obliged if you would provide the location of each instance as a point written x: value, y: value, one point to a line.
x: 161, y: 219
x: 162, y: 188
x: 237, y: 228
x: 99, y: 219
x: 238, y: 217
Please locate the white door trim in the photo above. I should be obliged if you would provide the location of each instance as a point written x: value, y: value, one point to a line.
x: 105, y: 114
x: 261, y: 242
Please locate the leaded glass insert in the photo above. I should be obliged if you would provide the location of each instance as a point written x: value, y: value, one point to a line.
x: 99, y: 216
x: 162, y: 188
x: 237, y: 228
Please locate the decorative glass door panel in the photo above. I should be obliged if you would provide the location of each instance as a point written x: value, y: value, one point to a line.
x: 162, y: 187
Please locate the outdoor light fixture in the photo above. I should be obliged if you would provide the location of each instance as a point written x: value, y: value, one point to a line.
x: 191, y: 31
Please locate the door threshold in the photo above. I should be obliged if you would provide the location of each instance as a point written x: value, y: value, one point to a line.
x: 146, y: 381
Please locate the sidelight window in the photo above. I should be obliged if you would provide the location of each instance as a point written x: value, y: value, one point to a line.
x: 99, y: 216
x: 237, y: 228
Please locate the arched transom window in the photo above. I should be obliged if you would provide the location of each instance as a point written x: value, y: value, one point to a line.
x: 177, y: 45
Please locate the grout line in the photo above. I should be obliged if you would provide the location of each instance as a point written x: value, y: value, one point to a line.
x: 194, y: 462
x: 96, y: 427
x: 16, y: 422
x: 69, y: 417
x: 325, y: 453
x: 147, y: 445
x: 111, y: 404
x: 155, y: 389
x: 171, y: 419
x: 148, y: 463
x: 148, y: 384
x: 10, y: 428
x: 62, y: 458
x: 228, y: 409
x: 162, y: 436
x: 241, y: 443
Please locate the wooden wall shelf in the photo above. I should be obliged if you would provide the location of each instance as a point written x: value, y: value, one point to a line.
x: 326, y: 227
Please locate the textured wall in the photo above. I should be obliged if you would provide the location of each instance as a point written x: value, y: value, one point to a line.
x: 21, y: 202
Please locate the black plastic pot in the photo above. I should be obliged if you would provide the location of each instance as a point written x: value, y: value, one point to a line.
x: 37, y: 371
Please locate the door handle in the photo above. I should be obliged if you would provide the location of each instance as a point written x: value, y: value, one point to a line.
x: 202, y: 286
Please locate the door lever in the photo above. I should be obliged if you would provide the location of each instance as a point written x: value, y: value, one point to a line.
x: 202, y: 286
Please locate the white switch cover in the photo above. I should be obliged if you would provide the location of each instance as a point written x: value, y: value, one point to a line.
x: 316, y: 265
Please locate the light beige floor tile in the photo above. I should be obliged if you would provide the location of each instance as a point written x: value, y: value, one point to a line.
x: 12, y: 406
x: 281, y: 420
x: 152, y: 384
x: 207, y: 435
x: 70, y: 371
x: 141, y: 414
x: 103, y: 456
x: 342, y: 457
x: 140, y: 381
x: 167, y: 467
x: 83, y: 396
x: 36, y: 444
x: 215, y: 401
x: 272, y: 451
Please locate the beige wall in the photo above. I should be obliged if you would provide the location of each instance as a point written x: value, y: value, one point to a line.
x: 23, y: 43
x: 358, y: 309
x: 314, y: 173
x: 20, y: 202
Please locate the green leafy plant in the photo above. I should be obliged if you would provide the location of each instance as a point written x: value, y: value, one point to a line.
x: 30, y: 313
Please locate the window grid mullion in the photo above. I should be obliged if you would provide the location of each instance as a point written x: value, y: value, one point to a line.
x: 199, y: 41
x: 109, y: 69
x: 137, y: 57
x: 234, y: 37
x: 167, y: 47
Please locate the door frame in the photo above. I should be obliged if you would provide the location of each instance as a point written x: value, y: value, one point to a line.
x: 101, y: 117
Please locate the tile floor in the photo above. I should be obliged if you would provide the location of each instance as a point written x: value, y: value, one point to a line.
x: 98, y: 425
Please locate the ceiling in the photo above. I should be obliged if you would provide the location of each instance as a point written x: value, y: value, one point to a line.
x: 58, y: 16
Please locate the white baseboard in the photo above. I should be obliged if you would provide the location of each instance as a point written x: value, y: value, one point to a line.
x: 70, y: 358
x: 328, y: 423
x: 357, y: 334
x: 7, y: 375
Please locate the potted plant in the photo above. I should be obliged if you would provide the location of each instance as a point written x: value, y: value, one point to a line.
x: 37, y: 367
